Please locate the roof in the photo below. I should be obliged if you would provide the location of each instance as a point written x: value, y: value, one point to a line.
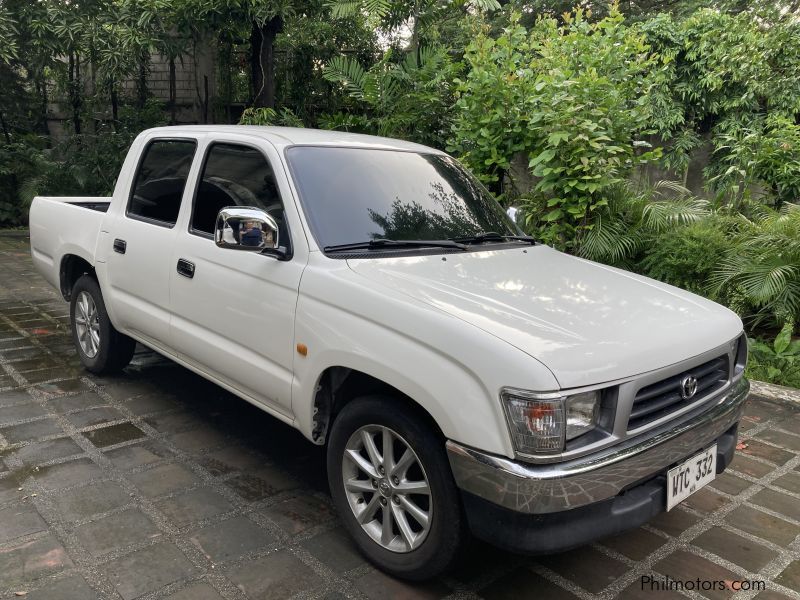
x: 288, y: 136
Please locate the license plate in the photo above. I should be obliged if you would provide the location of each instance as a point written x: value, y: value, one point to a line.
x: 689, y: 476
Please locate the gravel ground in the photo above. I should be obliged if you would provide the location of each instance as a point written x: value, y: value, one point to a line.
x: 158, y: 484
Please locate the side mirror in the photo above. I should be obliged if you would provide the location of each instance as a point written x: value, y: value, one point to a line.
x: 250, y: 229
x: 516, y: 214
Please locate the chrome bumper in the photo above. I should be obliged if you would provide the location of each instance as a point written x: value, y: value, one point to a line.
x: 548, y: 488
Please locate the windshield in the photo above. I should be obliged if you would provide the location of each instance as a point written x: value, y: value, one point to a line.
x: 353, y: 195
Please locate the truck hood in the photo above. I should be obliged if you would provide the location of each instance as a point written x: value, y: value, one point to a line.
x: 588, y: 323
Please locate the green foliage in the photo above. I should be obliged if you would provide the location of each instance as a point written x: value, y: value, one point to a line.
x: 733, y: 80
x: 408, y: 98
x: 269, y: 116
x: 687, y: 256
x: 78, y: 165
x: 776, y: 362
x: 18, y: 160
x: 424, y: 18
x: 761, y: 271
x: 767, y: 152
x: 8, y: 33
x: 636, y: 219
x: 313, y: 39
x: 571, y: 99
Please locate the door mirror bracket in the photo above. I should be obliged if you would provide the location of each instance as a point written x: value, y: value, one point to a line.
x: 279, y: 253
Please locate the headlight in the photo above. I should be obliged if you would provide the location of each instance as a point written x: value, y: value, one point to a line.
x: 582, y: 411
x: 543, y: 423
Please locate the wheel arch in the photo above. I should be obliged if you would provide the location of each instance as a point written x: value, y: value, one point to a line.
x: 338, y: 385
x: 71, y: 269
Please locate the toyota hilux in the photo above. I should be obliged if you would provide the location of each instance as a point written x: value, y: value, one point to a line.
x: 369, y: 292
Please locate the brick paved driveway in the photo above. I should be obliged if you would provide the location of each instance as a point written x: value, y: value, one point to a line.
x: 158, y: 484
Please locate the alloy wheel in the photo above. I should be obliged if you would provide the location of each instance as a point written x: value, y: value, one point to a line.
x: 387, y: 488
x: 87, y: 324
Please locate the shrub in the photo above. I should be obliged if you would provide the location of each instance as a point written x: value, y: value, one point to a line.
x: 776, y: 362
x: 403, y: 95
x: 766, y: 152
x: 761, y: 271
x: 733, y: 80
x: 687, y: 256
x: 573, y: 100
x: 269, y: 116
x: 635, y: 217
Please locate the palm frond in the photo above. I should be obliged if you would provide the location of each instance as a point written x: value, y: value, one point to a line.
x: 765, y: 282
x: 341, y: 9
x: 348, y: 72
x: 481, y: 5
x: 669, y: 185
x: 663, y: 214
x: 609, y: 241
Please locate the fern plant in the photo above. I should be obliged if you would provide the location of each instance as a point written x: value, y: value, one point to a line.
x: 409, y: 98
x: 634, y: 216
x: 763, y: 266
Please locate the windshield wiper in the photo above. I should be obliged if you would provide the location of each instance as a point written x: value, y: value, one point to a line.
x: 387, y: 243
x: 492, y: 236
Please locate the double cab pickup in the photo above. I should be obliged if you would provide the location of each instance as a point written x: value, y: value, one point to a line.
x: 371, y: 293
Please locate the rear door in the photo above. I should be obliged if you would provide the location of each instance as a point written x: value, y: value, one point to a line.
x: 233, y: 311
x: 142, y: 238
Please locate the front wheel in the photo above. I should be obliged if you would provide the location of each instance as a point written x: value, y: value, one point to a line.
x: 391, y: 483
x: 101, y: 348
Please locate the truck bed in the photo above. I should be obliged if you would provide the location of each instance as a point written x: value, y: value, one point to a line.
x: 91, y: 205
x: 64, y: 225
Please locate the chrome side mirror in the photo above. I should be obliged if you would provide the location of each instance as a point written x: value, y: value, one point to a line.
x: 513, y: 213
x: 246, y: 228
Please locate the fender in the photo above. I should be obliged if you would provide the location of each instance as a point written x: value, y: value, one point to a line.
x: 453, y: 372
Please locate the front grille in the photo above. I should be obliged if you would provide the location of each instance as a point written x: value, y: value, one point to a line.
x: 664, y: 397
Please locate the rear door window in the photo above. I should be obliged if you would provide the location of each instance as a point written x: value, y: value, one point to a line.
x: 160, y: 180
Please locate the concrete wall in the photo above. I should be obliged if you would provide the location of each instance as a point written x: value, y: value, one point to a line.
x: 195, y: 79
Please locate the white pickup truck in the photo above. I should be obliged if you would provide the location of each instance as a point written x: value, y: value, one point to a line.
x: 370, y: 293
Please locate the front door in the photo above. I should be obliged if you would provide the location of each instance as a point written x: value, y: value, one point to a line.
x: 233, y: 311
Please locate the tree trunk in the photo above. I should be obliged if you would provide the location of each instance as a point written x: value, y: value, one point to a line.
x: 205, y: 99
x: 74, y: 78
x: 141, y: 80
x: 173, y: 92
x: 41, y: 93
x: 114, y: 105
x: 6, y: 133
x: 93, y: 89
x: 226, y: 78
x: 262, y: 61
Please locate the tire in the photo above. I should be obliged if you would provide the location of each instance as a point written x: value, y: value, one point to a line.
x: 423, y: 552
x: 101, y: 348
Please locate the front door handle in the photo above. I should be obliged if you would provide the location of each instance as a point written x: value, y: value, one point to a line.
x: 185, y: 268
x: 120, y: 246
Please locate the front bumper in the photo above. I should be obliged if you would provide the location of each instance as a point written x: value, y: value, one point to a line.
x: 498, y: 491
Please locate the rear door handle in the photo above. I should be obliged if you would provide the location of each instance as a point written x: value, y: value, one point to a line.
x: 120, y: 246
x: 185, y: 268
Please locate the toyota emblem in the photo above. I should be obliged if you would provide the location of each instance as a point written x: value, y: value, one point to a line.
x: 688, y: 387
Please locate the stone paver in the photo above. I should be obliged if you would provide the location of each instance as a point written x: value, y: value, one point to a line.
x: 157, y: 484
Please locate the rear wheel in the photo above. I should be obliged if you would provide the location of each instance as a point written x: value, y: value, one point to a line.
x: 101, y: 348
x: 392, y: 485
